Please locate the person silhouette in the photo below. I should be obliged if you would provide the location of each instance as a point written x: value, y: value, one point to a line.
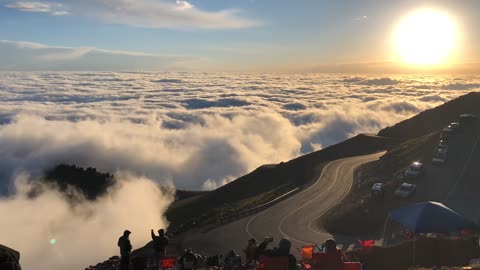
x: 125, y: 249
x: 160, y: 244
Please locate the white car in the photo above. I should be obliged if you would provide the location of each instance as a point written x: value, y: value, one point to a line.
x: 440, y: 158
x: 415, y: 170
x: 377, y: 190
x: 442, y: 147
x: 405, y: 190
x: 455, y: 126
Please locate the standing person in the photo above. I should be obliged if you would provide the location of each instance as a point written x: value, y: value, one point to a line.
x: 125, y: 249
x: 160, y: 244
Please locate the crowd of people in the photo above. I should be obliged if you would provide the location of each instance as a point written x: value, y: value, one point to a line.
x: 257, y: 255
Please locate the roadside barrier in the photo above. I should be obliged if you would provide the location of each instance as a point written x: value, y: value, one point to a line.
x: 255, y: 210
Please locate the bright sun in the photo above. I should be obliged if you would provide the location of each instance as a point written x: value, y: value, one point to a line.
x: 425, y: 37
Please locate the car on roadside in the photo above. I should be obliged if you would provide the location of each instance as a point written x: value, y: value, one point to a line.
x: 415, y: 170
x: 405, y: 190
x: 467, y: 119
x: 455, y: 126
x: 441, y: 147
x: 377, y: 190
x: 440, y: 158
x: 446, y: 133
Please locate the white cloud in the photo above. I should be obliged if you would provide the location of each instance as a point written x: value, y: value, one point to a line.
x: 159, y: 14
x: 56, y: 9
x: 20, y: 55
x: 86, y: 233
x: 178, y: 14
x: 184, y: 4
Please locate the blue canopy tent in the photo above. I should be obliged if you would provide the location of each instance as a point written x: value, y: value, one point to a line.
x: 430, y: 217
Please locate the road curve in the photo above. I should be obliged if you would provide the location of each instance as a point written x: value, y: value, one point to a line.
x: 293, y: 218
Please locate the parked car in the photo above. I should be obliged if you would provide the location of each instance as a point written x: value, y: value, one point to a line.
x: 405, y: 190
x: 446, y: 133
x: 441, y: 147
x: 467, y: 119
x: 377, y: 190
x: 440, y: 158
x: 455, y: 126
x: 415, y: 170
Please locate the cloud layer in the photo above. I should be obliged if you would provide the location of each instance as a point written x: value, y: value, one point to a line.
x: 141, y: 13
x: 196, y: 130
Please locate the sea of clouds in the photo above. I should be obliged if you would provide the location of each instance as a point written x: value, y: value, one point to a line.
x: 190, y: 130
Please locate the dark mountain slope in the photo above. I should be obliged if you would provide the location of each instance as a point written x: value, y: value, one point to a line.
x: 434, y: 119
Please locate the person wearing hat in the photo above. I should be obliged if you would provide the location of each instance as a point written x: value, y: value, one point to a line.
x: 125, y: 249
x: 160, y: 244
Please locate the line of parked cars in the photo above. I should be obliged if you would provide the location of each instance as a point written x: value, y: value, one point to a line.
x: 417, y: 169
x: 441, y: 150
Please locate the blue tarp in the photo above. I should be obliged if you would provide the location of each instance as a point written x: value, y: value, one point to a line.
x: 431, y: 217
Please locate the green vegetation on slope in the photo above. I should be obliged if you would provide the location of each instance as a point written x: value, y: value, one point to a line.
x: 89, y: 181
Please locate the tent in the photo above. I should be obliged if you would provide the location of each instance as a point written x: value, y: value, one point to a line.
x: 430, y: 217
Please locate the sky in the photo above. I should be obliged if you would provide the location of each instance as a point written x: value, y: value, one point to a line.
x: 219, y: 35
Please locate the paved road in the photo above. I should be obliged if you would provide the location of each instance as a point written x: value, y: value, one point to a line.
x: 294, y: 217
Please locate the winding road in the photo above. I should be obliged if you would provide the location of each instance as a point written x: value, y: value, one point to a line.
x: 294, y: 217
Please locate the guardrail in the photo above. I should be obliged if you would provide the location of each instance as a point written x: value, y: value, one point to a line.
x: 256, y: 209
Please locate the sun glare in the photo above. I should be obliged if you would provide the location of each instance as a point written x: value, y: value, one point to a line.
x: 425, y: 37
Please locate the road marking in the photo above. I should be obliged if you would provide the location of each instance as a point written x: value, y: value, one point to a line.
x: 294, y: 196
x: 309, y: 226
x: 336, y: 177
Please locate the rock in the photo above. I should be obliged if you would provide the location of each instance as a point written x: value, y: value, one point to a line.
x: 9, y: 259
